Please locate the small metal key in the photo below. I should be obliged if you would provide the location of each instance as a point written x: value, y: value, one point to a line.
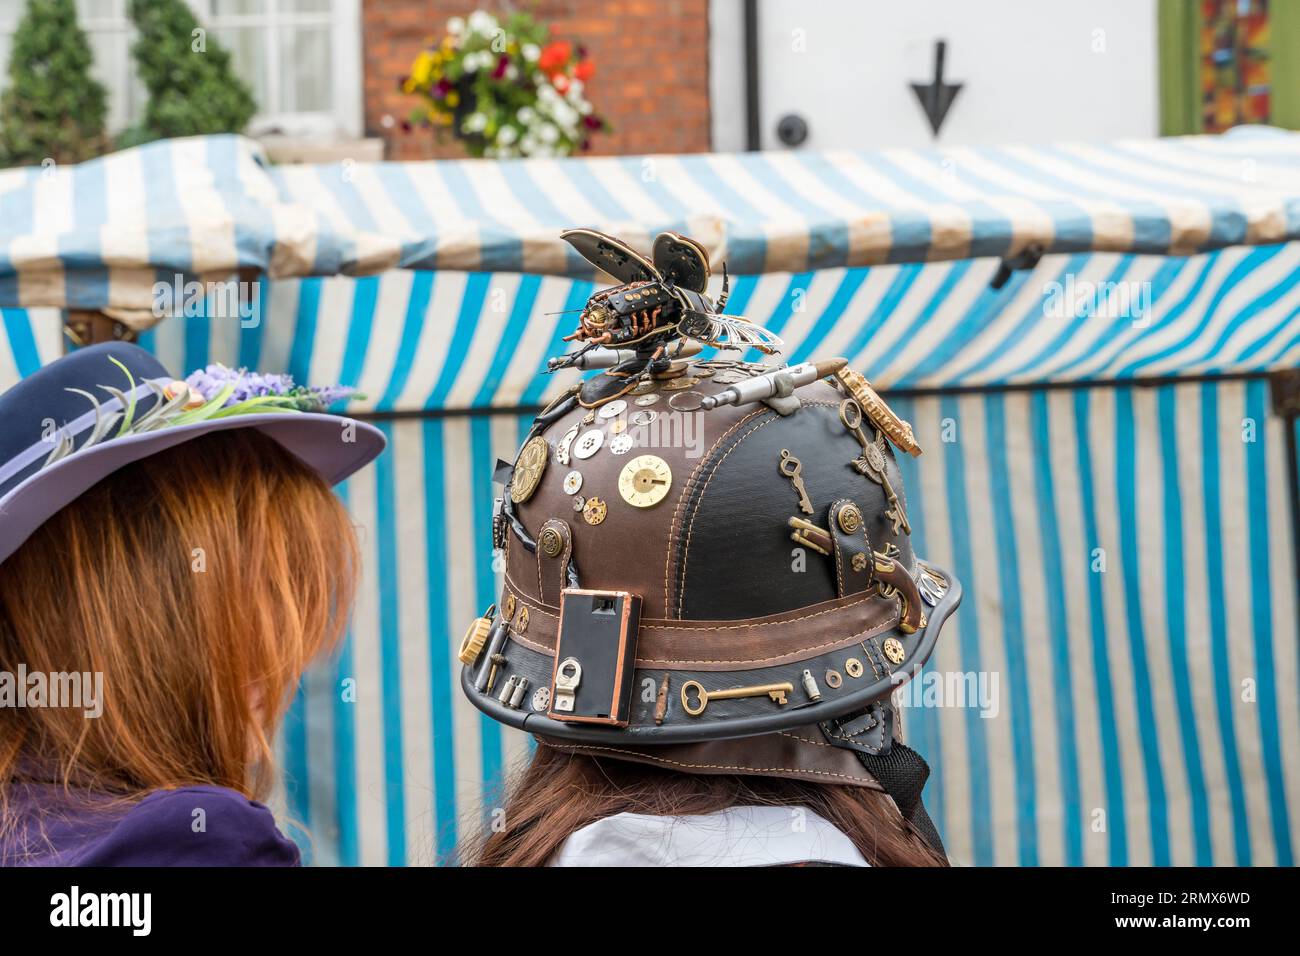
x: 791, y: 468
x: 694, y: 688
x: 871, y: 463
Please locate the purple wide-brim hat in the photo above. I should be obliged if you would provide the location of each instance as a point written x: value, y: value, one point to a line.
x: 331, y: 445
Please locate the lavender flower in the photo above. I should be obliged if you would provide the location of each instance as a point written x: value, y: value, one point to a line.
x: 211, y: 381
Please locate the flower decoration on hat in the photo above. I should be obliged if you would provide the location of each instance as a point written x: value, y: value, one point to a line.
x: 210, y: 394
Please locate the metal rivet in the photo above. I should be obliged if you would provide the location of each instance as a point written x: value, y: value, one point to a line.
x: 510, y: 606
x: 550, y: 542
x: 833, y: 678
x: 893, y: 648
x: 852, y: 667
x: 521, y: 623
x: 850, y: 519
x: 859, y: 562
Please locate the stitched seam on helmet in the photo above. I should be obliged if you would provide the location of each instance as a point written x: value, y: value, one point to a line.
x: 686, y: 547
x: 871, y: 657
x: 687, y: 490
x: 805, y: 740
x: 711, y: 766
x: 703, y: 626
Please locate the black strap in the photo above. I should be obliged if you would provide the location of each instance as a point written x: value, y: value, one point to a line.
x: 902, y: 773
x: 900, y: 770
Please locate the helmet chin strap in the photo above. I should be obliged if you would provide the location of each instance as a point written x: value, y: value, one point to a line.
x: 899, y: 769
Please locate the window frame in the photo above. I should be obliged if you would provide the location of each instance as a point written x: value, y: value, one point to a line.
x: 344, y: 120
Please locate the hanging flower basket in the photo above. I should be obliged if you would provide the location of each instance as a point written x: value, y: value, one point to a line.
x: 505, y: 89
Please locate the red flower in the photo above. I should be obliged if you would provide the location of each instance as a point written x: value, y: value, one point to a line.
x: 560, y: 82
x: 502, y: 64
x: 584, y: 70
x: 554, y: 56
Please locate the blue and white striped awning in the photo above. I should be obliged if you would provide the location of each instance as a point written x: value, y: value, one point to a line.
x: 98, y: 235
x: 1124, y: 735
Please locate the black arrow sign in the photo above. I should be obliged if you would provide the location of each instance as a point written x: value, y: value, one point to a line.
x: 936, y: 96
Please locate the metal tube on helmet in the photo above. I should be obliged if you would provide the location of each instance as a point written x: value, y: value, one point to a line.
x: 781, y: 381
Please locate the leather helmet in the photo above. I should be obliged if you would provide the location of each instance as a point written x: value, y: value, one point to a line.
x: 723, y: 549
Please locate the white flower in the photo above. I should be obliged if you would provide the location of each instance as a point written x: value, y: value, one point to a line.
x: 512, y: 72
x: 456, y: 26
x: 526, y: 115
x: 482, y: 22
x: 474, y: 123
x: 531, y: 52
x: 506, y: 135
x: 548, y: 133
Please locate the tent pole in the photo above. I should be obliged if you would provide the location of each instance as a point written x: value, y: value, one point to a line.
x: 1286, y: 403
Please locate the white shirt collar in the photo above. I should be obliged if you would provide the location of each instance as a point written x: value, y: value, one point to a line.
x: 738, y: 836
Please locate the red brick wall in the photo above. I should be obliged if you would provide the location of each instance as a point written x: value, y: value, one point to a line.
x: 651, y: 58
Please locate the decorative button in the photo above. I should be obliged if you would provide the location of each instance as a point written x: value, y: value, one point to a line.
x: 850, y: 519
x: 551, y: 542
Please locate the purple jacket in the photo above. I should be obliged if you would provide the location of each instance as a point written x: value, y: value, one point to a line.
x: 192, y: 826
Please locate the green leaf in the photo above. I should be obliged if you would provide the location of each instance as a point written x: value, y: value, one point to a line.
x: 261, y: 403
x: 129, y: 416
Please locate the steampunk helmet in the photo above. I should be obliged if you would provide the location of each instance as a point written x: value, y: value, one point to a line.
x: 708, y: 566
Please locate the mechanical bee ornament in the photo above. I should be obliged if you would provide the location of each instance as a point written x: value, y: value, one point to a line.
x: 641, y: 326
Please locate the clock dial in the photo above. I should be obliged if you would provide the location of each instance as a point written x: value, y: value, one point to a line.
x: 528, y: 469
x: 645, y: 480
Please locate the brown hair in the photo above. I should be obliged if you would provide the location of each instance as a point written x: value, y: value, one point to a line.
x: 200, y: 582
x: 561, y: 792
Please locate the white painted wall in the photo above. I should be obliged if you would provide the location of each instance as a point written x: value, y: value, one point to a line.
x: 1033, y: 70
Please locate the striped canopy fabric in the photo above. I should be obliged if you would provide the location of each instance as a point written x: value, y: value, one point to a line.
x: 1116, y: 687
x: 101, y: 234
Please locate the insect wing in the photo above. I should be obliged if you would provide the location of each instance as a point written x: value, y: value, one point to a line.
x: 729, y: 332
x: 611, y: 255
x: 682, y: 261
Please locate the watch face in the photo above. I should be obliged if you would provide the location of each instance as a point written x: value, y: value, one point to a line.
x: 589, y: 444
x: 528, y: 469
x: 645, y: 481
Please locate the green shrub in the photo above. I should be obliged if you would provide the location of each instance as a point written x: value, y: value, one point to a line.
x: 51, y: 107
x: 193, y: 89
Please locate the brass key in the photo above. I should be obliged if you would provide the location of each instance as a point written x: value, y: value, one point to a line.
x: 871, y: 463
x: 694, y: 688
x: 791, y: 468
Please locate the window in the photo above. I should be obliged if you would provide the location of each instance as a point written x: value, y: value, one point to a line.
x: 301, y: 57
